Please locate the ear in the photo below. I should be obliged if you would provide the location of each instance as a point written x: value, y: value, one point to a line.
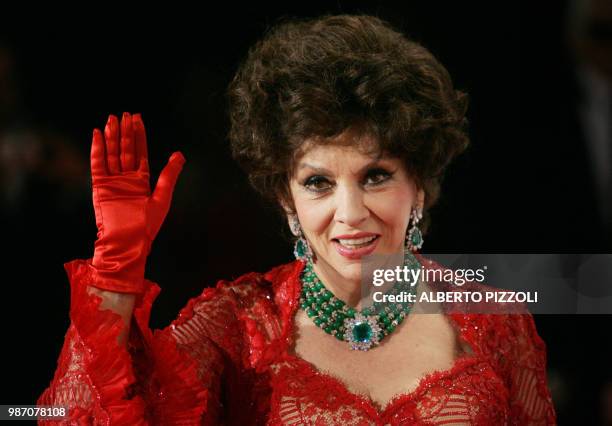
x: 294, y: 224
x: 285, y: 207
x: 285, y: 202
x: 420, y: 199
x: 290, y: 216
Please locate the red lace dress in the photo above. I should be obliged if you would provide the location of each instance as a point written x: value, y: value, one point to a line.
x: 225, y: 360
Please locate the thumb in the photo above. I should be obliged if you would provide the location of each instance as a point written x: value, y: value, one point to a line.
x: 162, y: 195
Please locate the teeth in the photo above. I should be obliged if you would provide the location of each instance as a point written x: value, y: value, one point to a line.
x: 356, y: 241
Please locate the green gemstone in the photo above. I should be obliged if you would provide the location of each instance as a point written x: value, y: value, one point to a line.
x: 318, y: 321
x: 328, y: 329
x: 416, y: 238
x: 350, y: 312
x: 311, y: 313
x: 362, y: 332
x: 300, y: 249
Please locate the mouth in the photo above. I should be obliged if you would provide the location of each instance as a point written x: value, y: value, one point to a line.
x: 354, y: 248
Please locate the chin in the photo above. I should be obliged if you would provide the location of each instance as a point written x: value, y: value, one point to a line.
x: 351, y: 271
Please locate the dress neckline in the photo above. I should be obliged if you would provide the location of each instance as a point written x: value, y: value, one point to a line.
x: 460, y: 363
x: 397, y: 400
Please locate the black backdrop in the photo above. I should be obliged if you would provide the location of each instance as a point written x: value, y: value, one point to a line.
x: 522, y: 187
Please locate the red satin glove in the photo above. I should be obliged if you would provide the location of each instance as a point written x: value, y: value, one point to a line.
x: 128, y: 216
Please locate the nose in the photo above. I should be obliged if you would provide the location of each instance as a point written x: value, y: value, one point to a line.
x: 350, y: 206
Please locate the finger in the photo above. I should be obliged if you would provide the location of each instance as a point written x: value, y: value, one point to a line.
x: 162, y: 196
x: 97, y: 157
x: 140, y: 140
x: 127, y: 155
x: 112, y: 145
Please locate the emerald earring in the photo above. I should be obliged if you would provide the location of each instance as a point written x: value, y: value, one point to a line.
x: 414, y: 236
x: 301, y: 248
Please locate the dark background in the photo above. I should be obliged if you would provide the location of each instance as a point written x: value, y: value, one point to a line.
x: 524, y: 186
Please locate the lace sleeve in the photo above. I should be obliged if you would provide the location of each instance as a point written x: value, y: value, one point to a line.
x: 94, y: 377
x: 520, y: 355
x: 169, y: 376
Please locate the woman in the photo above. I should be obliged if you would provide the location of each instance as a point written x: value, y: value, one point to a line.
x: 348, y: 127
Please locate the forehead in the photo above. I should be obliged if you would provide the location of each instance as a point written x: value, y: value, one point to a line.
x: 350, y: 145
x: 334, y: 156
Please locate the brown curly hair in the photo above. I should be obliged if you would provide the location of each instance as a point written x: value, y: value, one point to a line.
x: 315, y: 78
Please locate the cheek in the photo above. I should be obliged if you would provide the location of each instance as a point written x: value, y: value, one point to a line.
x: 393, y: 207
x: 314, y: 215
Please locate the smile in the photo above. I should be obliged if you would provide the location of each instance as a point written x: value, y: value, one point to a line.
x: 354, y: 248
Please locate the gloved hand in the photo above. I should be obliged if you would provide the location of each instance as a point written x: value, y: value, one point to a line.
x: 128, y: 216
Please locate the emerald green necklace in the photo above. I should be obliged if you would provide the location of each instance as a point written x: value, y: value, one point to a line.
x: 361, y: 329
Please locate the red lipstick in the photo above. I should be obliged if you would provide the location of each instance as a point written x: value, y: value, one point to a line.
x: 357, y: 252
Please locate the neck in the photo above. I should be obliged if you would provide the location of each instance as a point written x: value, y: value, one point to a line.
x: 357, y: 292
x: 347, y: 290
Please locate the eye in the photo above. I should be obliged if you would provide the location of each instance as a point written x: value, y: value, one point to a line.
x: 377, y: 176
x: 317, y: 184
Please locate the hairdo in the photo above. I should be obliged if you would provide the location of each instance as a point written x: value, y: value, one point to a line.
x: 315, y: 78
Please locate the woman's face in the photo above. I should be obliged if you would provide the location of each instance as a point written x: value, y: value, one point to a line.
x: 351, y: 204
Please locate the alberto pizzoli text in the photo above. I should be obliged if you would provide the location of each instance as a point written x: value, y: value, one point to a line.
x: 458, y: 297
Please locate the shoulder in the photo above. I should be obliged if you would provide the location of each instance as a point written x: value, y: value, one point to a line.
x: 264, y: 304
x: 245, y: 314
x: 493, y: 321
x: 250, y: 285
x: 279, y: 282
x: 242, y: 293
x: 253, y: 297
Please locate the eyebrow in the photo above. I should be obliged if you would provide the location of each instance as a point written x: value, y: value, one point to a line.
x: 323, y: 170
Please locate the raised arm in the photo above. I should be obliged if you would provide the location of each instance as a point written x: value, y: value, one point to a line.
x: 94, y: 375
